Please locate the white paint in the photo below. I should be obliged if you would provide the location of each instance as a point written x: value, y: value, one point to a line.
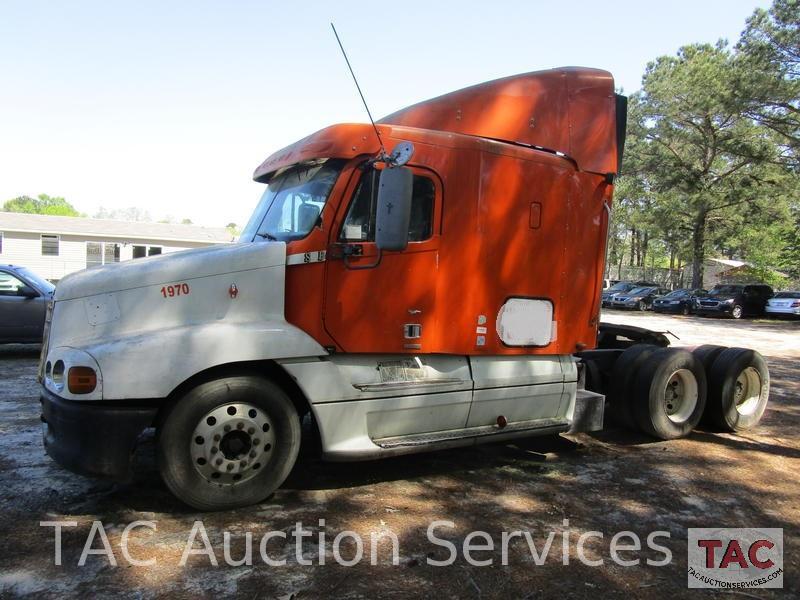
x: 525, y: 322
x: 170, y: 339
x: 101, y: 309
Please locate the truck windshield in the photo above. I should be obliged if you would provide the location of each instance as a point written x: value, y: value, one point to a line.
x: 292, y: 203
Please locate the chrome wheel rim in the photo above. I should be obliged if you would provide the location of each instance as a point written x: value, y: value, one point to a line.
x: 737, y: 311
x: 680, y: 396
x: 232, y: 443
x: 747, y: 391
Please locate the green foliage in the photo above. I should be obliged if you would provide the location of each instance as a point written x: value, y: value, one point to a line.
x: 769, y: 74
x: 41, y: 205
x: 711, y: 157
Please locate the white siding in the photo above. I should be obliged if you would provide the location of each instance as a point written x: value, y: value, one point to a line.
x: 25, y: 249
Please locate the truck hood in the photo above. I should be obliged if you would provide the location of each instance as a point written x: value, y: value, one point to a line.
x: 170, y: 268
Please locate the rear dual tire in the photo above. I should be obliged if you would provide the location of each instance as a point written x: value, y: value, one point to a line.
x: 669, y: 394
x: 738, y: 389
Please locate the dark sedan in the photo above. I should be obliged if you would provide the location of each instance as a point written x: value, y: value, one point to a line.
x: 23, y: 305
x: 678, y: 301
x: 735, y: 300
x: 640, y: 298
x: 620, y: 287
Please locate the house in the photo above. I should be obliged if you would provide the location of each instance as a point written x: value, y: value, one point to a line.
x: 723, y: 270
x: 54, y: 246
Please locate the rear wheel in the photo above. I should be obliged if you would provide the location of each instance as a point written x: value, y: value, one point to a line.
x: 707, y: 354
x: 669, y: 394
x: 620, y: 389
x: 738, y: 389
x: 228, y: 443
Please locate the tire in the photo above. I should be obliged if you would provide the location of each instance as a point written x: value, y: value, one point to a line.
x: 686, y: 310
x: 707, y: 354
x: 737, y: 312
x: 622, y: 375
x: 738, y: 389
x: 642, y: 305
x: 210, y: 461
x: 669, y: 394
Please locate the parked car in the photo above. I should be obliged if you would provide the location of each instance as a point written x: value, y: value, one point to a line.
x: 736, y: 300
x: 784, y: 303
x: 678, y: 301
x: 620, y: 287
x: 23, y: 304
x: 639, y: 298
x: 607, y: 283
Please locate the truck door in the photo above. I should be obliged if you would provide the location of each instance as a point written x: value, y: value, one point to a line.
x: 386, y: 307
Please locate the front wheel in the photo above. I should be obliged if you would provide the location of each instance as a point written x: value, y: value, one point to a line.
x: 737, y: 312
x: 228, y: 443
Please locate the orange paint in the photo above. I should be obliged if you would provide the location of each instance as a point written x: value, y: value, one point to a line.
x: 509, y: 219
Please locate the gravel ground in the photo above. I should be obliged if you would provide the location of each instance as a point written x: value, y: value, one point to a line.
x: 606, y: 482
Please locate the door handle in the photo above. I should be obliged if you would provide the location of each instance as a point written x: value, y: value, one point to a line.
x: 344, y: 250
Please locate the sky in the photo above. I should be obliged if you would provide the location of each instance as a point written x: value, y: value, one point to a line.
x: 170, y: 106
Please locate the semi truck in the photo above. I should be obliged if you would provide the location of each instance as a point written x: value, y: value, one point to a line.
x: 429, y: 281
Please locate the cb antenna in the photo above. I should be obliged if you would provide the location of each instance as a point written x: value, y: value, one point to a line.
x: 360, y: 93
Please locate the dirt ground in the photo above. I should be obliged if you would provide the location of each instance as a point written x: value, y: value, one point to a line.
x: 606, y: 482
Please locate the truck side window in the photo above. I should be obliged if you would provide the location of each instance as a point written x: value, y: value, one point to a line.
x: 359, y: 225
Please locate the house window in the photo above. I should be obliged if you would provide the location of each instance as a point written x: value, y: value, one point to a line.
x: 94, y: 254
x: 110, y: 253
x: 50, y: 245
x: 101, y: 253
x: 142, y: 251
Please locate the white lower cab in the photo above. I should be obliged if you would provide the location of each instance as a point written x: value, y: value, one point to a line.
x: 373, y: 405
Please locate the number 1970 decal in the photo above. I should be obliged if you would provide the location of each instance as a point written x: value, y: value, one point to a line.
x: 179, y: 289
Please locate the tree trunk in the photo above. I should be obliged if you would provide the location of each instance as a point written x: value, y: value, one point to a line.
x: 645, y: 242
x: 698, y: 248
x: 633, y: 247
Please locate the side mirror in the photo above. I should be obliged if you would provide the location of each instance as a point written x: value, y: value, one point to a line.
x: 395, y: 189
x: 27, y: 291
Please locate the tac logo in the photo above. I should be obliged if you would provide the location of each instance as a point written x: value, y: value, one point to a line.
x: 735, y: 558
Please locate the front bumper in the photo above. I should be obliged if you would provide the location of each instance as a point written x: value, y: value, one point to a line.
x: 667, y: 307
x: 719, y: 309
x: 782, y: 310
x: 91, y: 438
x: 626, y: 304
